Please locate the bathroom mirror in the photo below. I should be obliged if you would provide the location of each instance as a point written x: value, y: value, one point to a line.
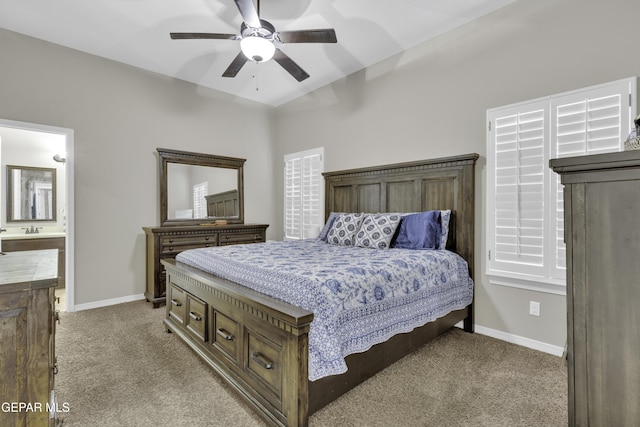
x: 31, y: 194
x: 198, y: 188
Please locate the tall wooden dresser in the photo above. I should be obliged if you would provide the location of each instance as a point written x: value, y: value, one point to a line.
x: 167, y: 242
x: 602, y: 233
x: 27, y: 338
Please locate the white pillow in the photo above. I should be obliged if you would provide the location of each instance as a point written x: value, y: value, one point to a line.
x: 377, y: 230
x: 344, y: 229
x: 327, y: 226
x: 445, y: 216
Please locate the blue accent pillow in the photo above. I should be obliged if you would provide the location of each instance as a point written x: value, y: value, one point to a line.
x: 419, y: 231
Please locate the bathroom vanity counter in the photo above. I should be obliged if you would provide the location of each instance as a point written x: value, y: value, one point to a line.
x: 41, y: 235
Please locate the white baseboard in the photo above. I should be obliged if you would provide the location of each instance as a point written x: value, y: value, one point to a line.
x: 515, y: 339
x: 108, y: 302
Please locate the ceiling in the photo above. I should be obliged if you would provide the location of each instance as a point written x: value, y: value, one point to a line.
x: 136, y: 32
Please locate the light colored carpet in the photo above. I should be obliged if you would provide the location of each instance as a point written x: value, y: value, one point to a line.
x: 117, y: 367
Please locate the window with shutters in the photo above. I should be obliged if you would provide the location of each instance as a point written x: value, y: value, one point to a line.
x: 304, y: 194
x: 199, y: 202
x: 525, y: 218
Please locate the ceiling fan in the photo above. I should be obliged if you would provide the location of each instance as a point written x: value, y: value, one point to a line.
x: 257, y: 41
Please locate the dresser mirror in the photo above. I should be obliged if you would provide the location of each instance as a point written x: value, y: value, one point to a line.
x: 31, y: 194
x: 198, y: 188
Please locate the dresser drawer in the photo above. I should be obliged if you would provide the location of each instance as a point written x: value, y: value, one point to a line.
x: 225, y: 335
x: 239, y: 238
x: 167, y: 242
x: 171, y: 245
x: 264, y: 362
x: 176, y: 303
x: 196, y: 317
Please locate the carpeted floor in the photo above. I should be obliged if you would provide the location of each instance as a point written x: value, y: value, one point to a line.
x: 117, y: 367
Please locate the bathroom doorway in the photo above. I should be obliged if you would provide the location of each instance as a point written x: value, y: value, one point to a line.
x: 31, y: 144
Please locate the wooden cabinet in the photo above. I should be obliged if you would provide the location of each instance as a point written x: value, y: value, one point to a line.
x: 27, y: 337
x: 39, y: 243
x: 167, y: 242
x: 602, y: 233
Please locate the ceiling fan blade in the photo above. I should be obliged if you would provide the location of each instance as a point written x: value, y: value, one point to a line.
x: 235, y: 65
x: 249, y: 13
x: 185, y: 36
x: 287, y: 63
x: 308, y: 36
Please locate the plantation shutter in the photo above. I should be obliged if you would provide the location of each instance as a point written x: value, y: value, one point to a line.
x: 293, y: 199
x: 588, y: 122
x: 525, y: 212
x: 304, y: 190
x: 519, y: 139
x: 199, y: 202
x: 312, y: 211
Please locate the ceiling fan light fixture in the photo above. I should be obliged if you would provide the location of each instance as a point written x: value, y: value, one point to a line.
x: 257, y: 48
x: 258, y: 41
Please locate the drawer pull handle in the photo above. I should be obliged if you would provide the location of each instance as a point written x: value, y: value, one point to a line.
x: 170, y: 248
x: 195, y: 316
x: 55, y: 369
x: 225, y: 334
x: 261, y: 360
x: 176, y: 303
x: 206, y: 238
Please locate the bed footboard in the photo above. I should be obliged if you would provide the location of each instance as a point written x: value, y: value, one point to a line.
x: 259, y: 346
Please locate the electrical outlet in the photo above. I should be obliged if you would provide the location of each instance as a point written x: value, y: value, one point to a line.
x: 534, y: 308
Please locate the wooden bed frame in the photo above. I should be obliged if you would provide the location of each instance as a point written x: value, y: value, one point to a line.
x: 223, y: 205
x: 259, y: 345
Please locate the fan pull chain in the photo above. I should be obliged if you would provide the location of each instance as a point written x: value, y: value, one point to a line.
x: 256, y: 76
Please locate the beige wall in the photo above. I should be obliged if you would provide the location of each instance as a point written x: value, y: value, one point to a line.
x: 431, y: 101
x: 120, y: 115
x: 428, y: 102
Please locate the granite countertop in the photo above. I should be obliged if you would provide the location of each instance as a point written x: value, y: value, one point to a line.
x: 29, y: 269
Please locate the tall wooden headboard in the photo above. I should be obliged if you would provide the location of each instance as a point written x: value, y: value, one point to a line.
x: 445, y: 183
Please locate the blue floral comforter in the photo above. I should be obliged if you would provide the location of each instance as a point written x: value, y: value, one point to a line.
x: 359, y: 296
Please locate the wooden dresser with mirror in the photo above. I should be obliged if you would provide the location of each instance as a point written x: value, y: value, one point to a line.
x: 196, y: 211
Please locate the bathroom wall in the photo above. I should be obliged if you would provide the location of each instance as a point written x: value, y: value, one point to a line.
x: 20, y: 147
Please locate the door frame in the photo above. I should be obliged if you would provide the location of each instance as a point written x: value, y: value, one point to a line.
x: 69, y: 208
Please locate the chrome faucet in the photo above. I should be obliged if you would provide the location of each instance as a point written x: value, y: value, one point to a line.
x: 32, y: 230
